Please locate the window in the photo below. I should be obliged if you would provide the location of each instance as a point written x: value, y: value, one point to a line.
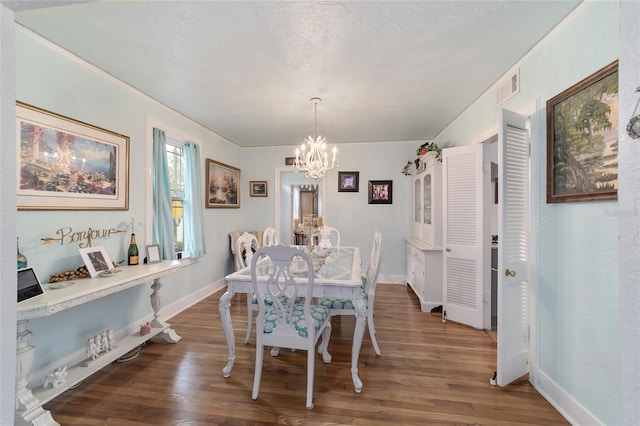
x: 176, y: 166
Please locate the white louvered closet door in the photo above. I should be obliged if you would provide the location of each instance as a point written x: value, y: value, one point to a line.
x: 513, y: 258
x: 466, y: 257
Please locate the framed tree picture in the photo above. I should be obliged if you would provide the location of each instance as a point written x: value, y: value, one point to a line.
x: 223, y: 185
x: 582, y: 140
x: 258, y: 188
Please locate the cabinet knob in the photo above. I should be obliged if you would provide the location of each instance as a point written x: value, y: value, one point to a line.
x: 509, y: 273
x: 448, y: 249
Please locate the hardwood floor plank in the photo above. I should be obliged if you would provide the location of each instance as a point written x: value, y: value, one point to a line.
x: 430, y: 372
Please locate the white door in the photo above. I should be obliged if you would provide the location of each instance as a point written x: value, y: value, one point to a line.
x: 513, y: 259
x: 466, y: 172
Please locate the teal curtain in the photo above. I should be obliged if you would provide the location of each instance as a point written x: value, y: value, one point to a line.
x: 162, y: 211
x: 193, y: 200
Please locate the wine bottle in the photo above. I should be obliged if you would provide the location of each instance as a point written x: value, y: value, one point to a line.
x: 133, y: 251
x: 22, y: 259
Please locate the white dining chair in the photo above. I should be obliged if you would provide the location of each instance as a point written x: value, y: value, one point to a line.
x: 246, y: 246
x: 369, y: 281
x: 269, y: 237
x: 289, y: 322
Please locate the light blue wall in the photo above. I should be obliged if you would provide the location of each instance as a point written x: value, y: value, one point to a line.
x: 578, y: 329
x: 53, y: 80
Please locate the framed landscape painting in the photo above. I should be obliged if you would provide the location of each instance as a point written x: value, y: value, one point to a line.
x: 65, y: 164
x: 582, y: 140
x: 223, y: 185
x: 258, y: 188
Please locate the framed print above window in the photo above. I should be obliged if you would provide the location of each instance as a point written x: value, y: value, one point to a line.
x: 65, y: 164
x: 582, y: 140
x: 223, y: 185
x: 258, y: 188
x: 380, y: 192
x: 348, y: 181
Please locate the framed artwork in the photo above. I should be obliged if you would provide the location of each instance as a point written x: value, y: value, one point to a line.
x: 223, y: 185
x: 153, y: 253
x: 380, y: 192
x: 348, y: 181
x: 96, y: 260
x: 65, y: 164
x: 258, y: 188
x: 582, y: 140
x: 288, y: 161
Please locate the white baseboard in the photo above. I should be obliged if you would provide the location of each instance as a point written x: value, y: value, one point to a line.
x: 37, y: 377
x: 392, y: 279
x: 571, y: 409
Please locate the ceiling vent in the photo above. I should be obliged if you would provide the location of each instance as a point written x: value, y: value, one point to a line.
x: 508, y: 88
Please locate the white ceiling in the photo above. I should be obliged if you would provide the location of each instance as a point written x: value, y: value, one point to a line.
x: 386, y: 70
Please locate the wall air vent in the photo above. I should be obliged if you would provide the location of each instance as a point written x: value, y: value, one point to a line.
x: 508, y: 88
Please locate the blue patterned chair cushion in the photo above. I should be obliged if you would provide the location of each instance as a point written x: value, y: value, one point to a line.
x: 341, y: 303
x: 318, y: 313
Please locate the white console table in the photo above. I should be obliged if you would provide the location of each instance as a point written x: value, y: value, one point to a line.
x: 29, y: 401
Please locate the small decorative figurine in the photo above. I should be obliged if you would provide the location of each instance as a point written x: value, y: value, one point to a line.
x: 93, y: 349
x: 55, y: 378
x: 111, y: 340
x: 145, y: 329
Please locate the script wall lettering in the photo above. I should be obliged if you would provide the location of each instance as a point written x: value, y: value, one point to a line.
x: 67, y: 235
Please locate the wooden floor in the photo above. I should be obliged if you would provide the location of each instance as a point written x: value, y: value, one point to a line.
x: 429, y: 373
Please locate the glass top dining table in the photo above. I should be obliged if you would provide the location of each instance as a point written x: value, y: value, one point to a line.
x: 337, y: 275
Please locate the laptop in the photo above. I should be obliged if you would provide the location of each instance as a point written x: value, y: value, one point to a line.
x: 28, y: 284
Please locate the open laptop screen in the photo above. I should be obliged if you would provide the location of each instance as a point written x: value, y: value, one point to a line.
x: 28, y: 284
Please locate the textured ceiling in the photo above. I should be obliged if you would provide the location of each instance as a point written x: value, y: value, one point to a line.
x: 386, y: 70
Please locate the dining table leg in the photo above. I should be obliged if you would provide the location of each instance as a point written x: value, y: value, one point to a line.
x: 225, y: 316
x: 358, y: 334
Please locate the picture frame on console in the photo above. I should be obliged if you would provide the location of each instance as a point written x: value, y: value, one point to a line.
x: 96, y: 259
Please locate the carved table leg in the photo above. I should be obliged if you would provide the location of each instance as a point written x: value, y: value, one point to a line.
x: 361, y: 321
x: 225, y: 316
x: 28, y: 408
x: 168, y: 334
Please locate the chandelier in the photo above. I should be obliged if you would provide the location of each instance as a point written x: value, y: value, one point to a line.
x: 312, y: 155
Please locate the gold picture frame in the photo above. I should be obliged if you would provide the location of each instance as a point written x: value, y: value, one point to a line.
x: 65, y: 164
x: 582, y: 140
x: 223, y: 185
x: 258, y: 188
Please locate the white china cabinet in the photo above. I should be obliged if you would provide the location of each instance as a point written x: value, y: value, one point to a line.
x: 424, y: 248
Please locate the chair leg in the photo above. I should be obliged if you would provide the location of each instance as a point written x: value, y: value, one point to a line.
x: 324, y: 345
x: 258, y: 373
x: 311, y: 359
x: 249, y: 318
x: 372, y: 332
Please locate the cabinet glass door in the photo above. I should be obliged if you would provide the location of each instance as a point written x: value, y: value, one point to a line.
x: 427, y: 199
x: 417, y: 201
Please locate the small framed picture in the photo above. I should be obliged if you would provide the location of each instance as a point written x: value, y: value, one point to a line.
x: 380, y: 192
x: 258, y: 188
x: 288, y: 161
x: 348, y: 181
x: 96, y: 260
x: 153, y: 253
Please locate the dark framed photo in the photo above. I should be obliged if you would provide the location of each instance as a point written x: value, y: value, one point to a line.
x: 348, y: 181
x: 223, y: 185
x: 380, y: 192
x: 288, y: 161
x: 258, y: 188
x: 582, y: 140
x: 65, y: 164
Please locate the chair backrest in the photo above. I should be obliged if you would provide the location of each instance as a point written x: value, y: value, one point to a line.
x: 246, y: 246
x: 371, y: 277
x: 282, y: 287
x: 269, y: 237
x: 334, y: 234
